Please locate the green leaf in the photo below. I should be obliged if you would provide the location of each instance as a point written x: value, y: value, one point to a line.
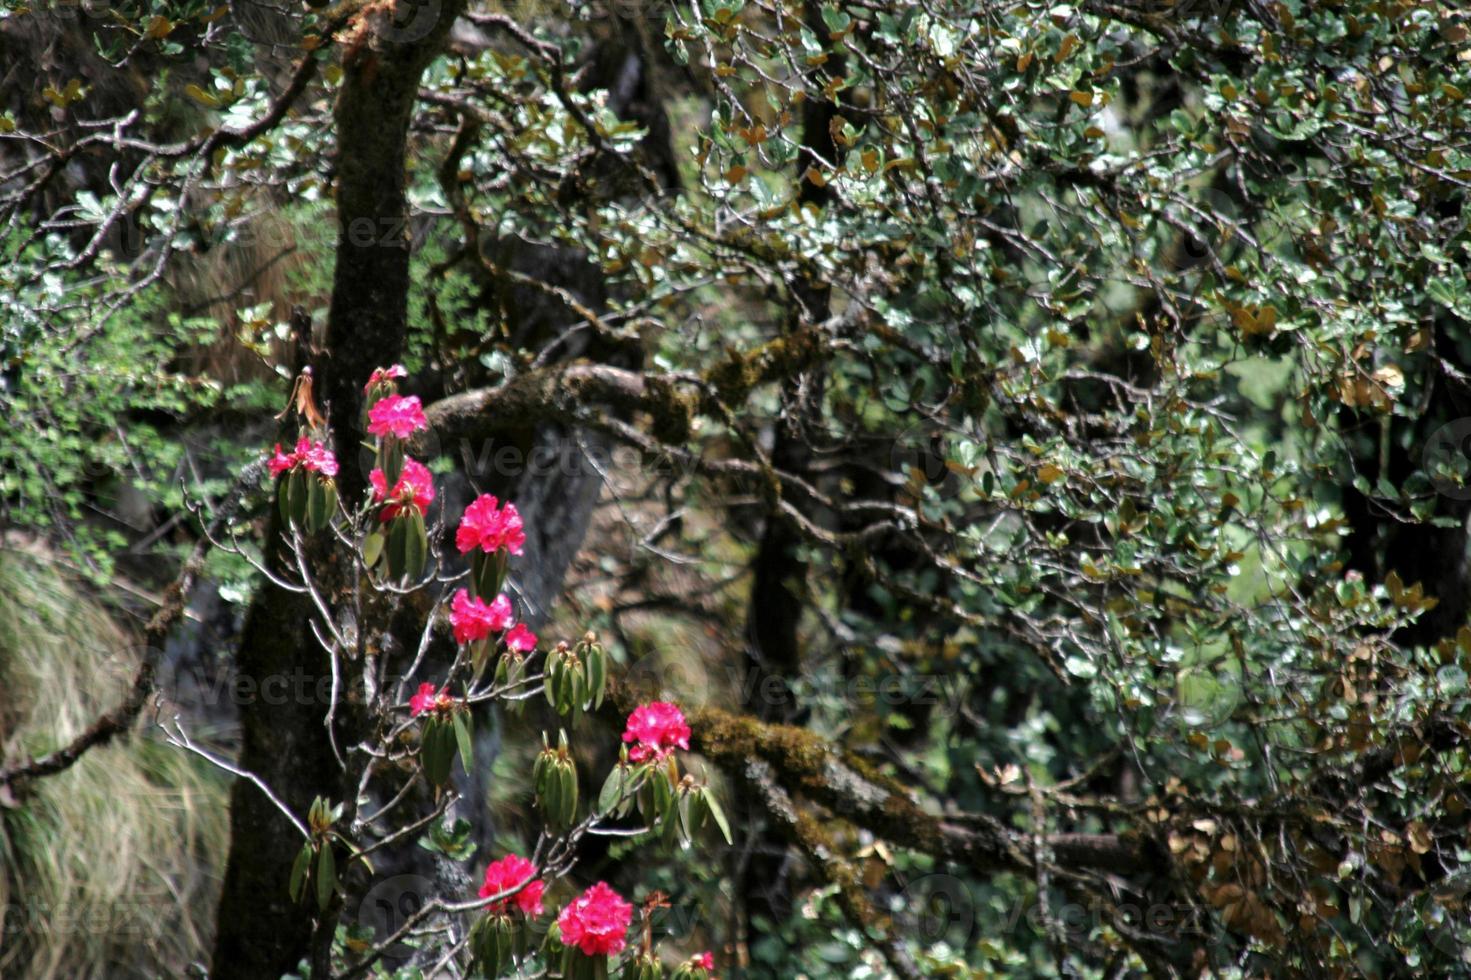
x: 298, y: 872
x: 612, y: 791
x: 719, y: 814
x: 462, y: 736
x: 326, y: 875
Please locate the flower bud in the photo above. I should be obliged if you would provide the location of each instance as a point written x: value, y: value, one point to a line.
x: 554, y: 775
x: 488, y: 573
x: 437, y: 749
x: 493, y: 943
x: 407, y: 548
x: 645, y: 966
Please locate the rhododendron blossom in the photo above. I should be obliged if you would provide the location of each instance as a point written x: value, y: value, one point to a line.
x: 314, y: 457
x: 415, y: 487
x: 474, y: 619
x: 428, y: 698
x: 705, y: 961
x: 596, y: 921
x: 490, y: 527
x: 521, y: 639
x: 507, y: 873
x: 397, y: 416
x: 658, y: 728
x: 384, y: 375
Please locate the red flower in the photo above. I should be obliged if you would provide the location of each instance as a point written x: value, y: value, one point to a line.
x: 473, y: 619
x: 280, y: 462
x: 415, y: 487
x: 315, y: 457
x: 384, y: 375
x: 705, y: 961
x: 658, y: 728
x: 397, y: 416
x: 507, y: 873
x: 429, y: 699
x: 490, y: 527
x: 596, y: 921
x: 521, y: 639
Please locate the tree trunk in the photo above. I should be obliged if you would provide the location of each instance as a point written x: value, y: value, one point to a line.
x: 284, y: 741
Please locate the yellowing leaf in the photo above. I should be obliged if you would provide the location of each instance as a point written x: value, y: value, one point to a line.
x: 200, y: 95
x: 1390, y: 376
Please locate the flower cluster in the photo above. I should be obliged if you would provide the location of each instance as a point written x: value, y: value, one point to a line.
x: 415, y: 488
x: 474, y: 619
x: 506, y: 874
x: 490, y: 527
x: 428, y: 698
x: 314, y: 457
x: 521, y: 639
x: 596, y: 921
x: 656, y: 729
x: 382, y: 376
x: 397, y: 416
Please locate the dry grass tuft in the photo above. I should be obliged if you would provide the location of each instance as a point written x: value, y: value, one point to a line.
x: 111, y: 869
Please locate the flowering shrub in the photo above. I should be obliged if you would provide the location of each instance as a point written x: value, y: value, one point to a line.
x: 395, y: 550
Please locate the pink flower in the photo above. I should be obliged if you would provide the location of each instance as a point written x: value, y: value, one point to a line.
x: 474, y: 620
x: 280, y: 462
x: 490, y: 527
x: 596, y: 921
x: 315, y: 457
x: 415, y: 487
x: 397, y: 416
x: 383, y: 376
x: 507, y: 873
x: 521, y: 639
x: 705, y: 961
x: 429, y: 699
x: 658, y: 728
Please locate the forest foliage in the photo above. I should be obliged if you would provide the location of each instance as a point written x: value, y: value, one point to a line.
x: 1027, y: 439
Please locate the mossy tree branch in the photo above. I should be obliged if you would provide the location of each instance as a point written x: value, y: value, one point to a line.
x: 805, y: 763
